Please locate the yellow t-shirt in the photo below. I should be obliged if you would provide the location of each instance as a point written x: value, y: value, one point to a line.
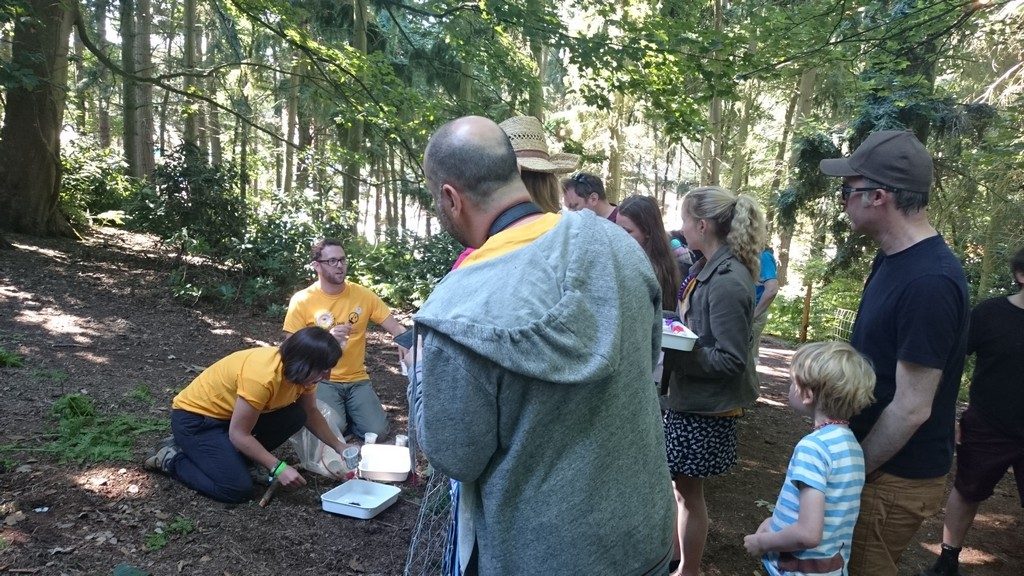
x: 512, y: 238
x: 254, y: 375
x: 355, y: 305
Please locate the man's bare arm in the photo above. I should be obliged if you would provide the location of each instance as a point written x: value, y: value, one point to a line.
x: 910, y: 407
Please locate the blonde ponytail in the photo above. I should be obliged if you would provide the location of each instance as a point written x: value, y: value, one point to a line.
x: 738, y: 222
x: 749, y: 234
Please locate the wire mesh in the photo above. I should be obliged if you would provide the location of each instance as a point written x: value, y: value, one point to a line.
x: 843, y: 326
x: 430, y: 537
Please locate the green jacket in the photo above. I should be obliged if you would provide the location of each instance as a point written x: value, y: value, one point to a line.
x: 714, y: 376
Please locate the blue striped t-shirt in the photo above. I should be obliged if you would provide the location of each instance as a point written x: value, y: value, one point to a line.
x: 829, y: 460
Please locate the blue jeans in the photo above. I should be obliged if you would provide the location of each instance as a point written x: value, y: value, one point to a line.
x: 211, y: 465
x: 357, y: 405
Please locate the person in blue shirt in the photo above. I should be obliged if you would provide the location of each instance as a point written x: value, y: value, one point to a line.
x: 765, y: 290
x: 811, y: 529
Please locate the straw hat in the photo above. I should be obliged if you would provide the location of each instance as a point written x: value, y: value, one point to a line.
x: 527, y: 136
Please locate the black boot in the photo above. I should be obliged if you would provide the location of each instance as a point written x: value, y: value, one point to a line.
x: 947, y: 564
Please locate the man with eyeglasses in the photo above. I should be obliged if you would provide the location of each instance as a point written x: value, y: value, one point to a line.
x: 585, y: 190
x: 912, y: 325
x: 345, y: 309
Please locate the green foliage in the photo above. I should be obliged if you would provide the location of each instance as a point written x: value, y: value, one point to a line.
x: 786, y: 313
x: 272, y: 259
x: 192, y: 204
x: 158, y: 538
x: 56, y: 376
x: 142, y: 393
x: 10, y: 359
x: 84, y: 435
x: 94, y: 183
x: 403, y: 269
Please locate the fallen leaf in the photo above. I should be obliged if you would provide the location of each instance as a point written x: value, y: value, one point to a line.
x: 133, y: 489
x: 181, y: 565
x: 14, y: 518
x: 98, y: 481
x: 23, y: 468
x: 356, y: 564
x: 58, y: 550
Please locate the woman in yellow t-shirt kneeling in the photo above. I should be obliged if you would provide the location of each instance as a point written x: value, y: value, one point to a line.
x: 241, y: 408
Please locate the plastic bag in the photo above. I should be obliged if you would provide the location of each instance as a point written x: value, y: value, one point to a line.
x: 316, y: 456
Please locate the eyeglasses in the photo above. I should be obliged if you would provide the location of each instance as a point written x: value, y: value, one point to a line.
x: 846, y: 191
x: 333, y: 262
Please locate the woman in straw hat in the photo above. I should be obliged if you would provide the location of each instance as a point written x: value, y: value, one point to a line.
x: 538, y: 166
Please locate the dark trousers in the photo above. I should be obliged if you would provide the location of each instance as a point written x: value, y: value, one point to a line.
x: 211, y: 465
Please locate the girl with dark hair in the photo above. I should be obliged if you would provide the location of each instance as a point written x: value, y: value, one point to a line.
x: 640, y: 217
x: 241, y: 408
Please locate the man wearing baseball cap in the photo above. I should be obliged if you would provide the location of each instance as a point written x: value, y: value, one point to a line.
x: 912, y: 324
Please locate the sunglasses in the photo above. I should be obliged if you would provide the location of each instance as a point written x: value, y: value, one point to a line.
x: 583, y: 184
x: 846, y: 191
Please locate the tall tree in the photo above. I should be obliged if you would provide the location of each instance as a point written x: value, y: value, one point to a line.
x: 33, y: 116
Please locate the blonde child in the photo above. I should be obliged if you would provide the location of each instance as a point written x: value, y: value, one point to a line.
x: 811, y: 529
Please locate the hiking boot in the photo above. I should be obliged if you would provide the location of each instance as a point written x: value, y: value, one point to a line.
x: 941, y: 569
x: 161, y: 459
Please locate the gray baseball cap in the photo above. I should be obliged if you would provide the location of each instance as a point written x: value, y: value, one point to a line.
x: 895, y: 158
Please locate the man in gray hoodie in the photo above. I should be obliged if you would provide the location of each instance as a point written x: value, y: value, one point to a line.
x: 532, y: 385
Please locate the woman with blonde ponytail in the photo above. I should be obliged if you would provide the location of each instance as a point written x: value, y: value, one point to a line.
x: 709, y: 387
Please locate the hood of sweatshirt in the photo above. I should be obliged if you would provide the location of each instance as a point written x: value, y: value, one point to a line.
x: 552, y: 310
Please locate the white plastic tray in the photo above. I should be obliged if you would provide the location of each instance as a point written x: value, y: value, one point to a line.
x: 678, y: 341
x: 384, y: 462
x: 359, y: 498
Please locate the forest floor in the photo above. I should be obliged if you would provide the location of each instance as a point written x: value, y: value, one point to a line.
x: 95, y: 317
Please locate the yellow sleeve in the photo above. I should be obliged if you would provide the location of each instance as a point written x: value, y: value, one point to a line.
x: 255, y: 388
x: 295, y: 318
x: 379, y: 310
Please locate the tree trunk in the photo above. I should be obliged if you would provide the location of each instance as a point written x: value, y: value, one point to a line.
x: 129, y: 91
x: 291, y: 123
x: 191, y: 132
x: 536, y: 95
x: 30, y: 168
x: 739, y: 157
x: 803, y: 109
x: 144, y: 60
x: 103, y: 95
x: 350, y: 190
x: 780, y: 163
x: 81, y: 98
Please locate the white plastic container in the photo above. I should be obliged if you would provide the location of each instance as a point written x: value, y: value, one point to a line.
x: 359, y: 499
x: 679, y: 340
x: 385, y: 462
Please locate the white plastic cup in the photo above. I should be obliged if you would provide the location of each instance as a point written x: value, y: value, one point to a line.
x: 370, y: 438
x: 401, y: 440
x: 351, y: 456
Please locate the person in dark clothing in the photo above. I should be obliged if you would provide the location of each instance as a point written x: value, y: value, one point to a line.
x: 912, y: 325
x: 992, y: 428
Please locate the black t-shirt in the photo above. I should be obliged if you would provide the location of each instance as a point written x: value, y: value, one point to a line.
x: 997, y: 387
x: 915, y: 309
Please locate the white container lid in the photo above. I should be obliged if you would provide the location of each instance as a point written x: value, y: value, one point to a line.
x: 385, y: 462
x: 678, y: 340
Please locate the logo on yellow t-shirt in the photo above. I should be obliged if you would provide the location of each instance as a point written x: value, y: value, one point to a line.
x: 324, y: 319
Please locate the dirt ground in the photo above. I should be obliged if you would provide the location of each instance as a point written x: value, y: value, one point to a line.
x: 95, y: 317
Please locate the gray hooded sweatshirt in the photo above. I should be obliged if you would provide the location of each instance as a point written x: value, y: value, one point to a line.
x: 536, y: 394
